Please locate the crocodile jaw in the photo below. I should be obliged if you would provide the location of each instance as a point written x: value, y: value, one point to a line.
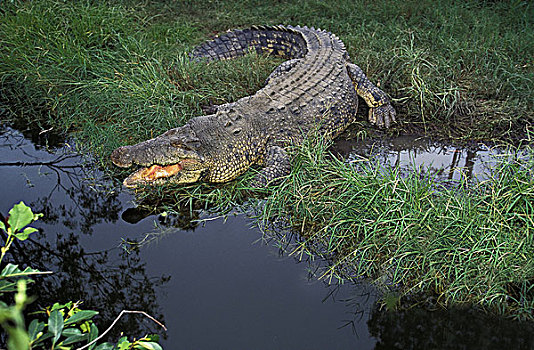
x: 183, y: 172
x: 171, y: 157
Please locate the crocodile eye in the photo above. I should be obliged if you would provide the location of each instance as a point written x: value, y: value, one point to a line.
x: 177, y: 143
x: 193, y: 144
x: 188, y: 143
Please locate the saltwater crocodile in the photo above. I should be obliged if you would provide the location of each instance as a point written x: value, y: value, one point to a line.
x: 314, y: 92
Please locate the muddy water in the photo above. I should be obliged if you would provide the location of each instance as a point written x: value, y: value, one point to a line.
x: 215, y: 283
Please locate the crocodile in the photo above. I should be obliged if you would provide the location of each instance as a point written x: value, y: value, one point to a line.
x: 314, y: 92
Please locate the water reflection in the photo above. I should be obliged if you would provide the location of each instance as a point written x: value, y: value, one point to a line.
x: 419, y: 328
x: 56, y: 184
x: 223, y: 283
x: 443, y: 161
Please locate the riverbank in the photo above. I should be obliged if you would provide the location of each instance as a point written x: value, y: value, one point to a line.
x: 469, y: 241
x: 110, y: 75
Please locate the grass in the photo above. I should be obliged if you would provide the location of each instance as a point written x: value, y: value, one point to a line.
x: 454, y: 69
x: 472, y: 242
x: 114, y: 73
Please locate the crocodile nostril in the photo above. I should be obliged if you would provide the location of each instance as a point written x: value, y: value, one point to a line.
x: 120, y: 157
x: 177, y: 143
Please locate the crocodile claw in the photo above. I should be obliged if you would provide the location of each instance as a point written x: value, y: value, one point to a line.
x: 382, y: 116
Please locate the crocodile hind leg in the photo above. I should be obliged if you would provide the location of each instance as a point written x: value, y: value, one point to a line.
x: 277, y: 164
x: 381, y: 112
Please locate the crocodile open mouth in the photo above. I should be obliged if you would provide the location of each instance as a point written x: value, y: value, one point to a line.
x: 152, y: 174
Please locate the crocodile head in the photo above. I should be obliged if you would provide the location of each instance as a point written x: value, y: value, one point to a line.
x: 174, y: 156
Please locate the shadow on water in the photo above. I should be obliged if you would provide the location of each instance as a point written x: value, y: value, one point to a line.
x: 419, y: 328
x: 215, y: 283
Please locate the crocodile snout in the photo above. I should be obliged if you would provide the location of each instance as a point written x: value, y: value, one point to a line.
x: 121, y: 157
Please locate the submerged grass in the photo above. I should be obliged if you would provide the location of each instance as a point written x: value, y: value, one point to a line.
x: 115, y: 73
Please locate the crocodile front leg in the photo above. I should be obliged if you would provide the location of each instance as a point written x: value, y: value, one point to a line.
x: 381, y: 112
x: 277, y: 164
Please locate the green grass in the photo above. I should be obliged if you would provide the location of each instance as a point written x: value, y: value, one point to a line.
x: 108, y: 75
x: 454, y: 69
x: 467, y: 243
x: 114, y: 73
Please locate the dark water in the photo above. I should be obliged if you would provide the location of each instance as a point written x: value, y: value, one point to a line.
x: 217, y: 283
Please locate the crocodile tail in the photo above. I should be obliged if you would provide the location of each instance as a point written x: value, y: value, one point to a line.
x: 286, y: 42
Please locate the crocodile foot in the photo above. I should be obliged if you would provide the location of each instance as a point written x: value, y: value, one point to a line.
x: 382, y: 116
x: 277, y: 165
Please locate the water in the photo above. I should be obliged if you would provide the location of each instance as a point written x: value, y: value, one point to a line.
x: 445, y: 162
x: 215, y: 284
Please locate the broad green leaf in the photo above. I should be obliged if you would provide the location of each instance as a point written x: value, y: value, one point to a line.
x: 105, y: 346
x: 67, y: 332
x: 25, y: 234
x: 58, y: 306
x: 12, y: 270
x: 74, y: 339
x: 18, y: 339
x: 82, y: 315
x: 34, y: 329
x: 55, y: 324
x: 93, y: 334
x: 124, y: 345
x: 2, y: 226
x: 19, y: 216
x: 147, y: 345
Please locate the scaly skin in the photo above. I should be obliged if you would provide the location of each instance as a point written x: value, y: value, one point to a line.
x: 316, y: 90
